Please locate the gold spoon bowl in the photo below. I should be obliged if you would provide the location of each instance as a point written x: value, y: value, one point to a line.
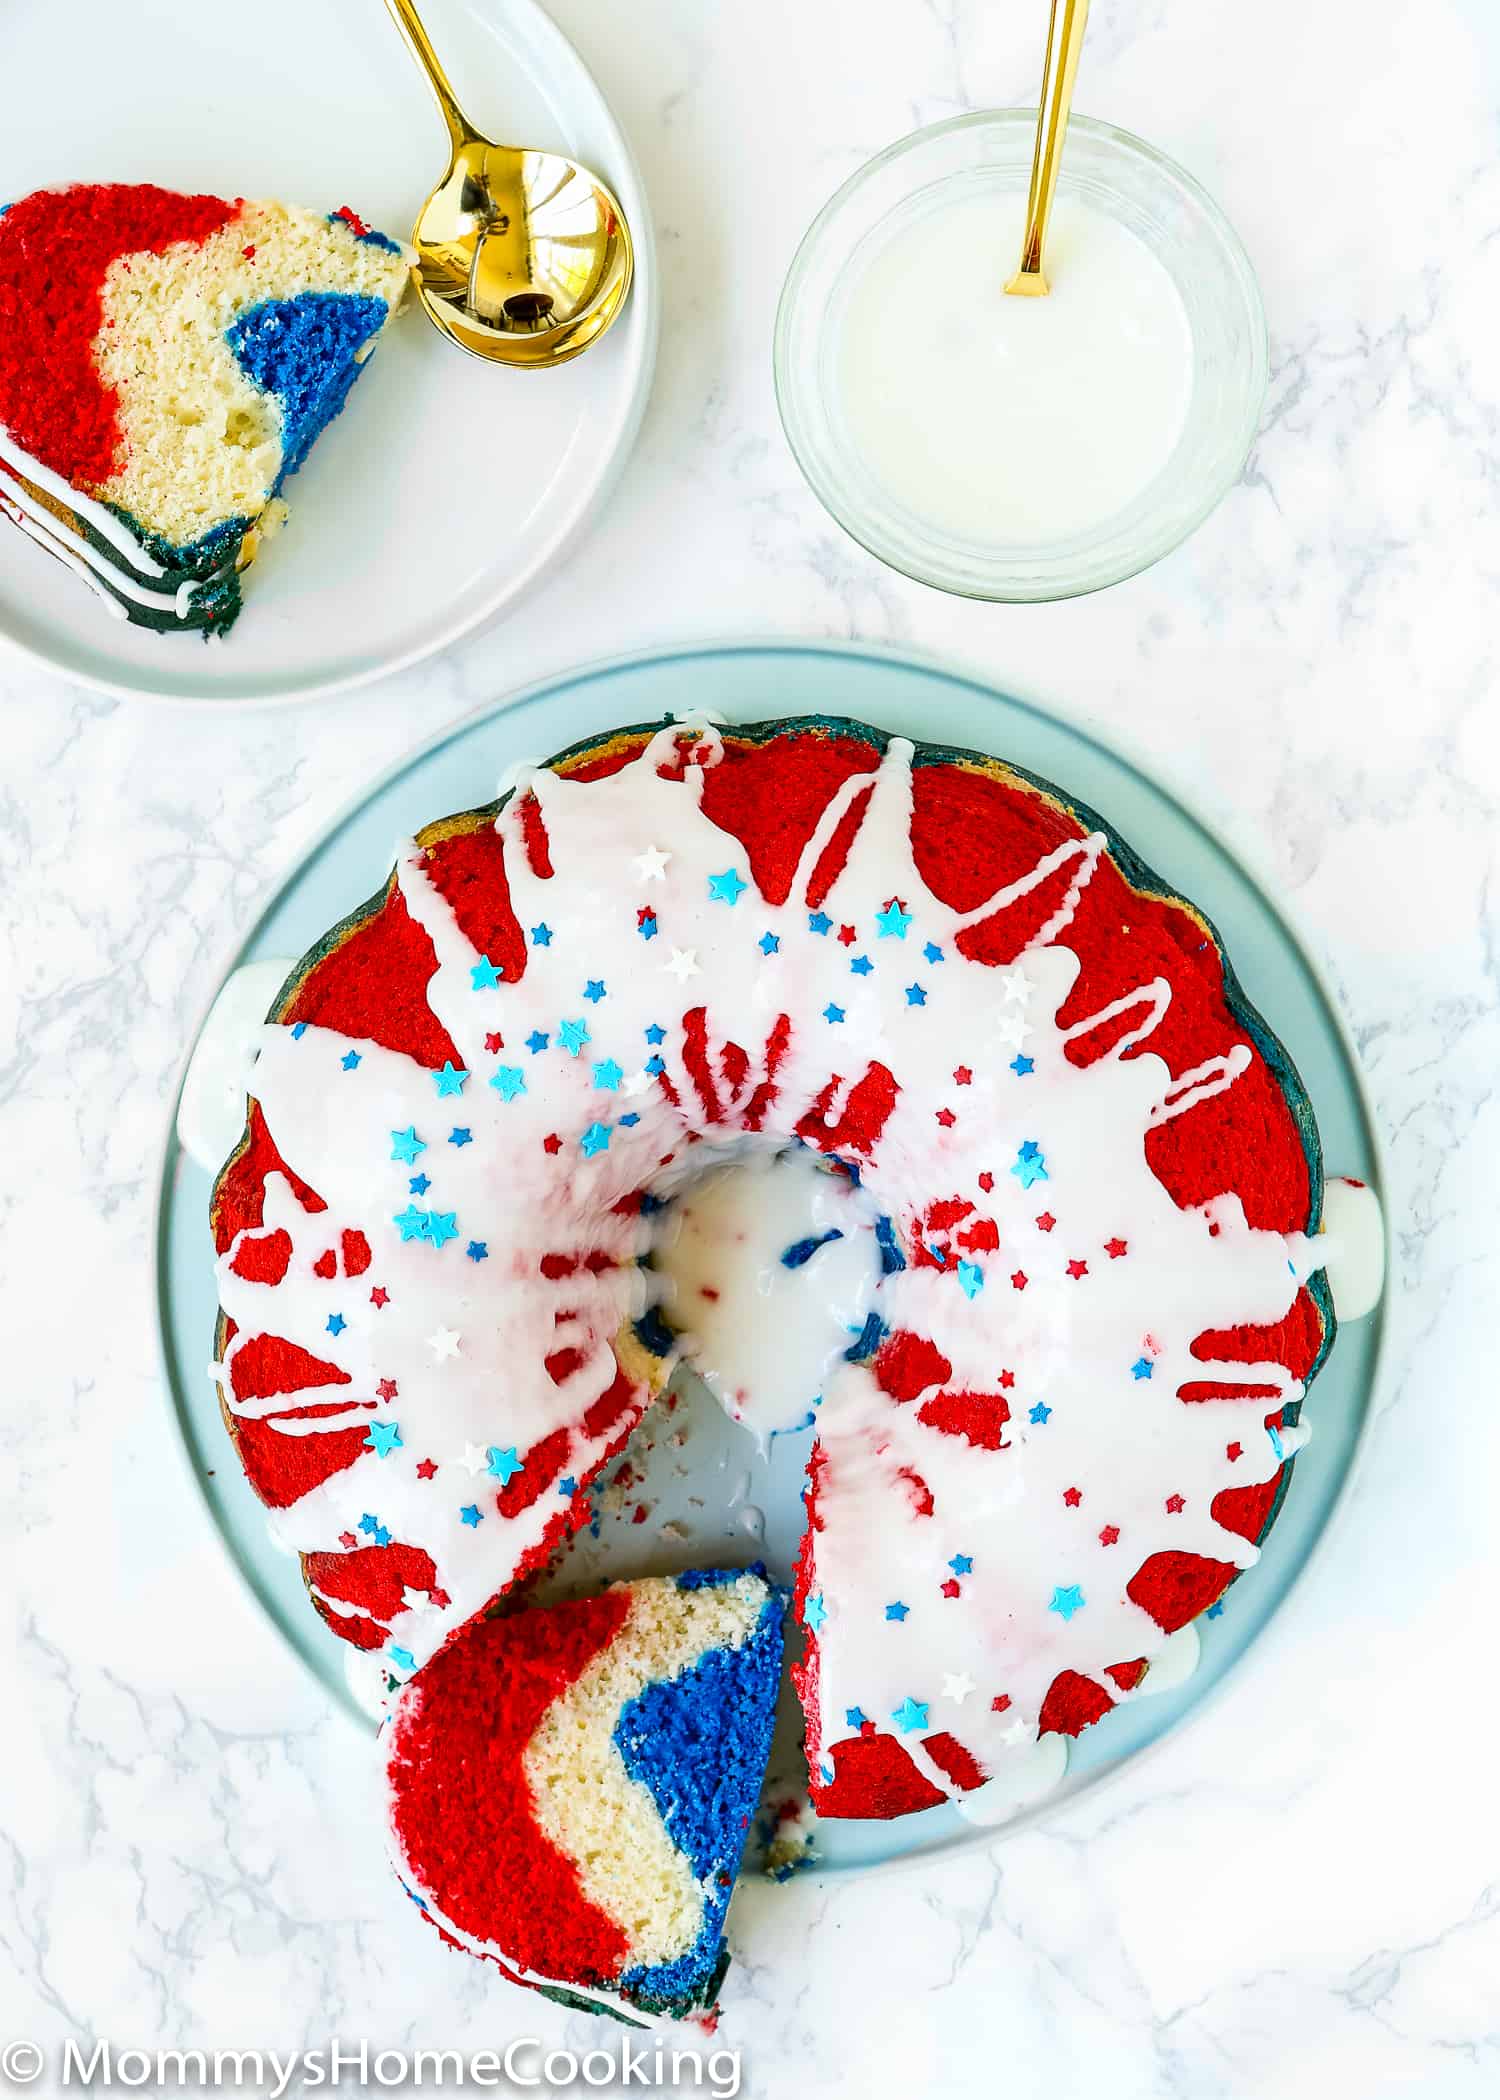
x: 523, y: 257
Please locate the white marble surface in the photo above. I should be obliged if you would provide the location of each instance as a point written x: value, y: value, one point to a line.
x: 1301, y: 1894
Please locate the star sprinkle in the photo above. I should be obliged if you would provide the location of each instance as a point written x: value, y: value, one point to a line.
x: 387, y: 1388
x: 336, y: 1323
x: 493, y: 1042
x: 567, y: 1486
x: 856, y: 1718
x: 1040, y: 1413
x: 950, y: 1588
x: 484, y: 976
x: 299, y: 1031
x: 451, y: 1079
x: 508, y: 1081
x: 896, y: 1611
x: 477, y: 1250
x: 1018, y: 1280
x: 1072, y: 1497
x: 594, y: 990
x: 442, y: 1226
x: 971, y: 1278
x: 443, y: 1344
x: 419, y: 1184
x: 383, y: 1438
x: 1110, y: 1535
x: 833, y: 1014
x: 683, y: 964
x: 769, y: 943
x: 656, y: 1033
x: 536, y: 1043
x: 1022, y: 1065
x: 646, y: 925
x: 1067, y: 1600
x: 471, y: 1515
x: 472, y: 1458
x: 814, y: 1612
x: 595, y: 1140
x: 893, y: 921
x: 573, y: 1035
x: 1045, y: 1221
x: 350, y: 1061
x: 1142, y: 1368
x: 962, y: 1076
x: 348, y: 1538
x: 504, y: 1465
x: 1016, y: 985
x: 1016, y: 1733
x: 655, y: 1066
x: 1031, y: 1164
x: 418, y: 1601
x: 1175, y: 1505
x: 860, y: 965
x: 1115, y: 1248
x: 405, y: 1144
x: 460, y: 1136
x: 819, y: 922
x: 552, y: 1144
x: 608, y: 1075
x: 651, y: 866
x: 1234, y: 1451
x: 402, y: 1657
x: 947, y: 1118
x: 1215, y: 1610
x: 933, y: 953
x: 915, y: 995
x: 412, y: 1222
x: 962, y: 1563
x: 727, y: 888
x: 541, y: 936
x: 1077, y: 1268
x: 957, y: 1687
x: 909, y: 1715
x: 426, y: 1468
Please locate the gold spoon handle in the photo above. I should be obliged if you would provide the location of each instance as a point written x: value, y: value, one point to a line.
x: 1064, y: 42
x: 409, y: 22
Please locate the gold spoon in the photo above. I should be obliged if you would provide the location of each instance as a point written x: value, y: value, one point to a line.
x: 1064, y: 42
x: 522, y: 257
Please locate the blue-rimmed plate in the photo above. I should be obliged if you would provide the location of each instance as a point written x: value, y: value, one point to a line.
x: 708, y: 1489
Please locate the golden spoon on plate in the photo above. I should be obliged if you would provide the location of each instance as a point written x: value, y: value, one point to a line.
x: 523, y: 257
x: 1064, y: 42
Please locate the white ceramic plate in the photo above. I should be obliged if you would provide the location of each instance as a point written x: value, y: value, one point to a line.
x: 450, y: 485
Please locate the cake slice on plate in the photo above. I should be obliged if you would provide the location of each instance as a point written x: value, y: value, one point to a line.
x: 570, y: 1787
x: 166, y: 364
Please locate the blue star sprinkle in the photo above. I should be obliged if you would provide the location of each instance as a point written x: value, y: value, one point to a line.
x: 509, y: 1081
x: 384, y: 1438
x: 915, y: 996
x: 594, y: 990
x: 656, y: 1066
x: 299, y: 1031
x: 814, y: 1611
x: 504, y: 1465
x: 536, y: 1043
x: 567, y: 1486
x: 471, y: 1516
x: 484, y: 976
x: 971, y: 1277
x: 336, y: 1323
x: 819, y: 922
x: 898, y: 1610
x: 419, y: 1184
x: 893, y: 921
x: 629, y: 1122
x: 909, y: 1715
x: 1215, y: 1611
x: 656, y: 1033
x: 413, y: 1223
x: 861, y: 965
x: 933, y: 952
x: 833, y: 1014
x: 1040, y: 1413
x: 1022, y: 1065
x: 608, y: 1074
x: 1031, y: 1164
x: 729, y: 887
x: 350, y: 1060
x: 962, y: 1563
x: 1142, y: 1367
x: 477, y: 1251
x: 595, y: 1139
x: 1066, y: 1601
x: 373, y: 1528
x: 646, y: 926
x: 541, y: 936
x: 405, y: 1144
x: 460, y: 1135
x: 442, y: 1226
x: 573, y: 1035
x: 402, y: 1658
x: 768, y: 943
x: 451, y: 1079
x: 855, y: 1717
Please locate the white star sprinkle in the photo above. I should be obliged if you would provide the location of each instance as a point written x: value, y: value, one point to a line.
x: 957, y: 1688
x: 416, y: 1600
x: 651, y: 866
x: 1016, y: 985
x: 443, y: 1344
x: 473, y: 1458
x: 1011, y: 1030
x: 1016, y: 1733
x: 683, y: 965
x: 637, y: 1083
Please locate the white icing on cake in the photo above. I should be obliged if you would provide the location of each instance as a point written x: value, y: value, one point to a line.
x: 1354, y: 1247
x: 1100, y: 1464
x: 211, y: 1112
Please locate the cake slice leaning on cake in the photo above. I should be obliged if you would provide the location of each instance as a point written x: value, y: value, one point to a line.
x: 166, y: 364
x: 570, y: 1786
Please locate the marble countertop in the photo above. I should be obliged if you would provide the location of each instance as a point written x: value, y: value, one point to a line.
x: 1300, y: 1894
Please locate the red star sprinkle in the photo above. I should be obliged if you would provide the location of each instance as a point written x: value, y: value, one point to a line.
x: 249, y: 253
x: 380, y: 1295
x: 1077, y: 1268
x: 998, y: 1706
x: 963, y: 1076
x: 426, y: 1469
x: 347, y: 1538
x: 387, y: 1388
x: 1233, y: 1451
x: 947, y: 1118
x: 846, y: 936
x: 1175, y: 1505
x: 1072, y: 1496
x: 1019, y: 1279
x: 986, y: 1182
x: 951, y: 1588
x: 492, y: 1043
x: 1109, y: 1536
x: 552, y: 1143
x: 1046, y: 1221
x: 440, y: 1598
x: 1115, y: 1248
x: 1007, y: 1379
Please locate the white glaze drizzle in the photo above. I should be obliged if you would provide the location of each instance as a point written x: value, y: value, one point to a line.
x: 105, y: 578
x: 1070, y: 1344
